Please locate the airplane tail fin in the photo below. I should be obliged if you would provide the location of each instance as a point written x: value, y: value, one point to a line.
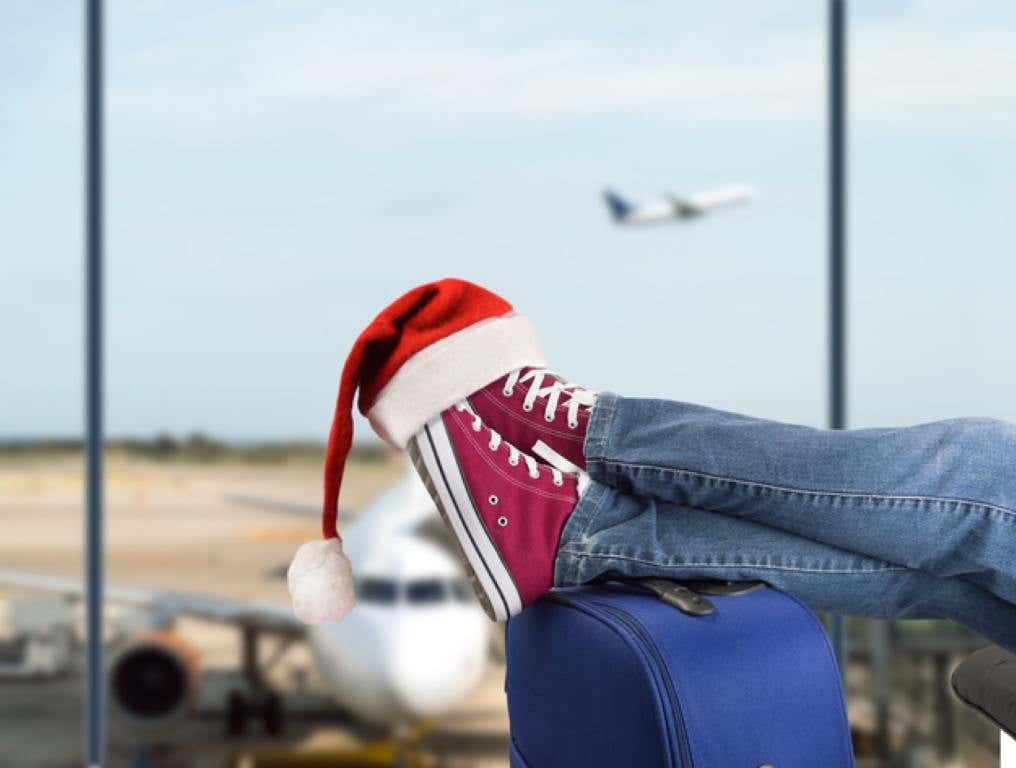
x: 619, y: 207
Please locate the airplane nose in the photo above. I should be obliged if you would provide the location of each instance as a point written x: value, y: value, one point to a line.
x: 423, y: 687
x: 422, y: 693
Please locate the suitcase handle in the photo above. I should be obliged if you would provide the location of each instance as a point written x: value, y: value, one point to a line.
x: 689, y: 596
x: 723, y: 588
x: 678, y: 596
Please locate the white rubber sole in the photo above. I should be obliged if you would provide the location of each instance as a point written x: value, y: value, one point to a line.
x: 434, y: 458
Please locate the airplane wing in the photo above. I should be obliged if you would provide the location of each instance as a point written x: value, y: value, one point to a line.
x: 402, y: 505
x: 272, y: 505
x: 268, y: 504
x: 716, y: 198
x: 261, y: 616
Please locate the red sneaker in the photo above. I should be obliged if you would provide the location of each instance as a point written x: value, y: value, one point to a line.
x: 541, y: 412
x: 505, y: 509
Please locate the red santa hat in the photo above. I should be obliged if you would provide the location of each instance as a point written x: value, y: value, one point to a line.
x: 427, y: 350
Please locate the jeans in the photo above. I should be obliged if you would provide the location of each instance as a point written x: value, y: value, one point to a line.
x: 918, y: 522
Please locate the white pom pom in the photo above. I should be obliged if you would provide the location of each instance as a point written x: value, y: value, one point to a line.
x: 320, y: 582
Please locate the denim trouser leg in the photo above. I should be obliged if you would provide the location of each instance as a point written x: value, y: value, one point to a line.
x: 614, y: 532
x: 939, y: 498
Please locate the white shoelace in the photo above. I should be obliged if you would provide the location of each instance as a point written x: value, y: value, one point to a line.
x: 514, y: 454
x: 578, y: 397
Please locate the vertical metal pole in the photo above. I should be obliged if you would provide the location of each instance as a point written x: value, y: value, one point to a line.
x: 837, y: 214
x: 94, y: 700
x: 881, y: 660
x: 837, y: 249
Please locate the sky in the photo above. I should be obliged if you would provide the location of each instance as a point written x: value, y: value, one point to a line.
x: 279, y: 171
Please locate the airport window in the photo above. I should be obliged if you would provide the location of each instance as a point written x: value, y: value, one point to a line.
x: 317, y: 161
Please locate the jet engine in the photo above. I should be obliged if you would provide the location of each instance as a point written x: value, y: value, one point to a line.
x: 154, y: 680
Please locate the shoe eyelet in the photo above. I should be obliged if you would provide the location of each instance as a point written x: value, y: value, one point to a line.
x: 502, y: 521
x: 527, y: 407
x: 558, y: 481
x: 477, y: 427
x: 493, y: 500
x: 513, y: 461
x: 492, y: 446
x: 535, y: 476
x: 507, y: 392
x: 549, y: 417
x: 572, y: 424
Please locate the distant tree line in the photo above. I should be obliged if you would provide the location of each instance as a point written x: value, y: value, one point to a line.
x: 197, y: 446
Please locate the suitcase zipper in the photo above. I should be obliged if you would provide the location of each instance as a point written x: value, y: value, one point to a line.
x: 636, y: 627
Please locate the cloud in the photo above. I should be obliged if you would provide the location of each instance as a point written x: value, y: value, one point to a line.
x: 905, y: 76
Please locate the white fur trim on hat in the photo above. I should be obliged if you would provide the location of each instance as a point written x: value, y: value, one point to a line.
x: 320, y: 582
x: 440, y: 375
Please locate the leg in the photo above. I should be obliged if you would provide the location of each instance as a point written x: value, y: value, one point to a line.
x: 639, y: 536
x: 940, y: 498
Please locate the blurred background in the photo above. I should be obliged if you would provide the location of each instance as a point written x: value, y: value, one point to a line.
x: 279, y: 171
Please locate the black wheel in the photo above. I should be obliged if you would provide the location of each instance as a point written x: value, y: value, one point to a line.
x: 271, y: 715
x: 236, y: 713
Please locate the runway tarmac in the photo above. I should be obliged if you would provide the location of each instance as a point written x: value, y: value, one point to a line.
x: 173, y: 525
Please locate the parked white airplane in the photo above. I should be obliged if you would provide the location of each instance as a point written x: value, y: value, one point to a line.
x: 674, y: 207
x: 414, y: 645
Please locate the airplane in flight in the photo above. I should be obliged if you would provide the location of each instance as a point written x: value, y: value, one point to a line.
x: 674, y: 207
x: 413, y: 646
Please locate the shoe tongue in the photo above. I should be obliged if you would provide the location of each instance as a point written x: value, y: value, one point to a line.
x: 555, y: 459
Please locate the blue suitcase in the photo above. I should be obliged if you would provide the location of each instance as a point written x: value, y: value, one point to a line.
x: 710, y: 675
